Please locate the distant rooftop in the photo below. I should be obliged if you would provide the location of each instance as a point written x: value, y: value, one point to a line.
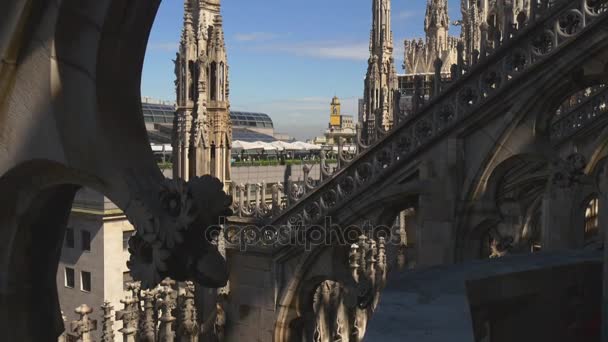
x: 253, y: 120
x: 150, y: 100
x: 163, y: 112
x: 244, y: 134
x: 158, y: 113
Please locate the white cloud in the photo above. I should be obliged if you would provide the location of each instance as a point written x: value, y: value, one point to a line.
x: 255, y: 36
x: 323, y: 49
x: 402, y: 15
x: 163, y: 46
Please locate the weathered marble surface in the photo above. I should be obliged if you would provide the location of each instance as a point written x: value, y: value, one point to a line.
x: 432, y: 305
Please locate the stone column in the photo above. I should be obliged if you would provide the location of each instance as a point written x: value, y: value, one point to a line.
x: 556, y: 219
x: 128, y: 317
x: 188, y: 327
x: 434, y: 235
x: 165, y: 330
x: 107, y: 334
x: 147, y: 323
x: 84, y: 325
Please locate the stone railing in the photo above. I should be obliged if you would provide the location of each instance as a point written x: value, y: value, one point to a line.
x: 165, y: 313
x: 589, y: 108
x: 499, y: 65
x: 264, y: 200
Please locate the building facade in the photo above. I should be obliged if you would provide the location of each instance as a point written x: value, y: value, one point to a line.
x: 202, y: 133
x: 381, y: 78
x: 93, y: 263
x: 340, y: 126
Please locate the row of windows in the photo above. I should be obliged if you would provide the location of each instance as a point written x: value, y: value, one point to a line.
x: 251, y: 119
x: 85, y: 239
x: 70, y: 279
x: 158, y: 112
x: 252, y: 124
x: 158, y: 119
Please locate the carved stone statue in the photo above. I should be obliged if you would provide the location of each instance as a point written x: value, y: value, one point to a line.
x: 220, y: 322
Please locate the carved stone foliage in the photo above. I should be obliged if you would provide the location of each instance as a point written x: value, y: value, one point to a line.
x: 176, y: 243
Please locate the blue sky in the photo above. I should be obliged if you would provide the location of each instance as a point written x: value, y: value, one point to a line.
x: 288, y: 58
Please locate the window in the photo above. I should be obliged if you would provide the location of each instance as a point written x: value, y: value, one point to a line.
x: 69, y: 238
x: 86, y: 240
x: 591, y: 219
x: 125, y: 240
x: 126, y: 279
x: 85, y: 281
x: 69, y: 277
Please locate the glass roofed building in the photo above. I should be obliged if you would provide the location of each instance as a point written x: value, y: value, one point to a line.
x: 246, y: 126
x: 257, y: 122
x: 158, y: 116
x: 161, y: 113
x: 244, y: 134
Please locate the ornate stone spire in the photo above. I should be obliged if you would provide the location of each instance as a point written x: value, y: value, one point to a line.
x: 437, y: 24
x: 381, y: 78
x: 202, y: 129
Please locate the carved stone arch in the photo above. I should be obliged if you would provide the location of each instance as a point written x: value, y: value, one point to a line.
x: 309, y: 305
x: 598, y: 158
x: 311, y: 271
x: 564, y: 85
x: 488, y: 211
x: 37, y: 195
x: 508, y: 177
x: 385, y: 201
x: 290, y: 302
x: 521, y: 18
x: 199, y: 138
x: 213, y: 81
x: 500, y: 168
x: 475, y: 243
x: 532, y: 231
